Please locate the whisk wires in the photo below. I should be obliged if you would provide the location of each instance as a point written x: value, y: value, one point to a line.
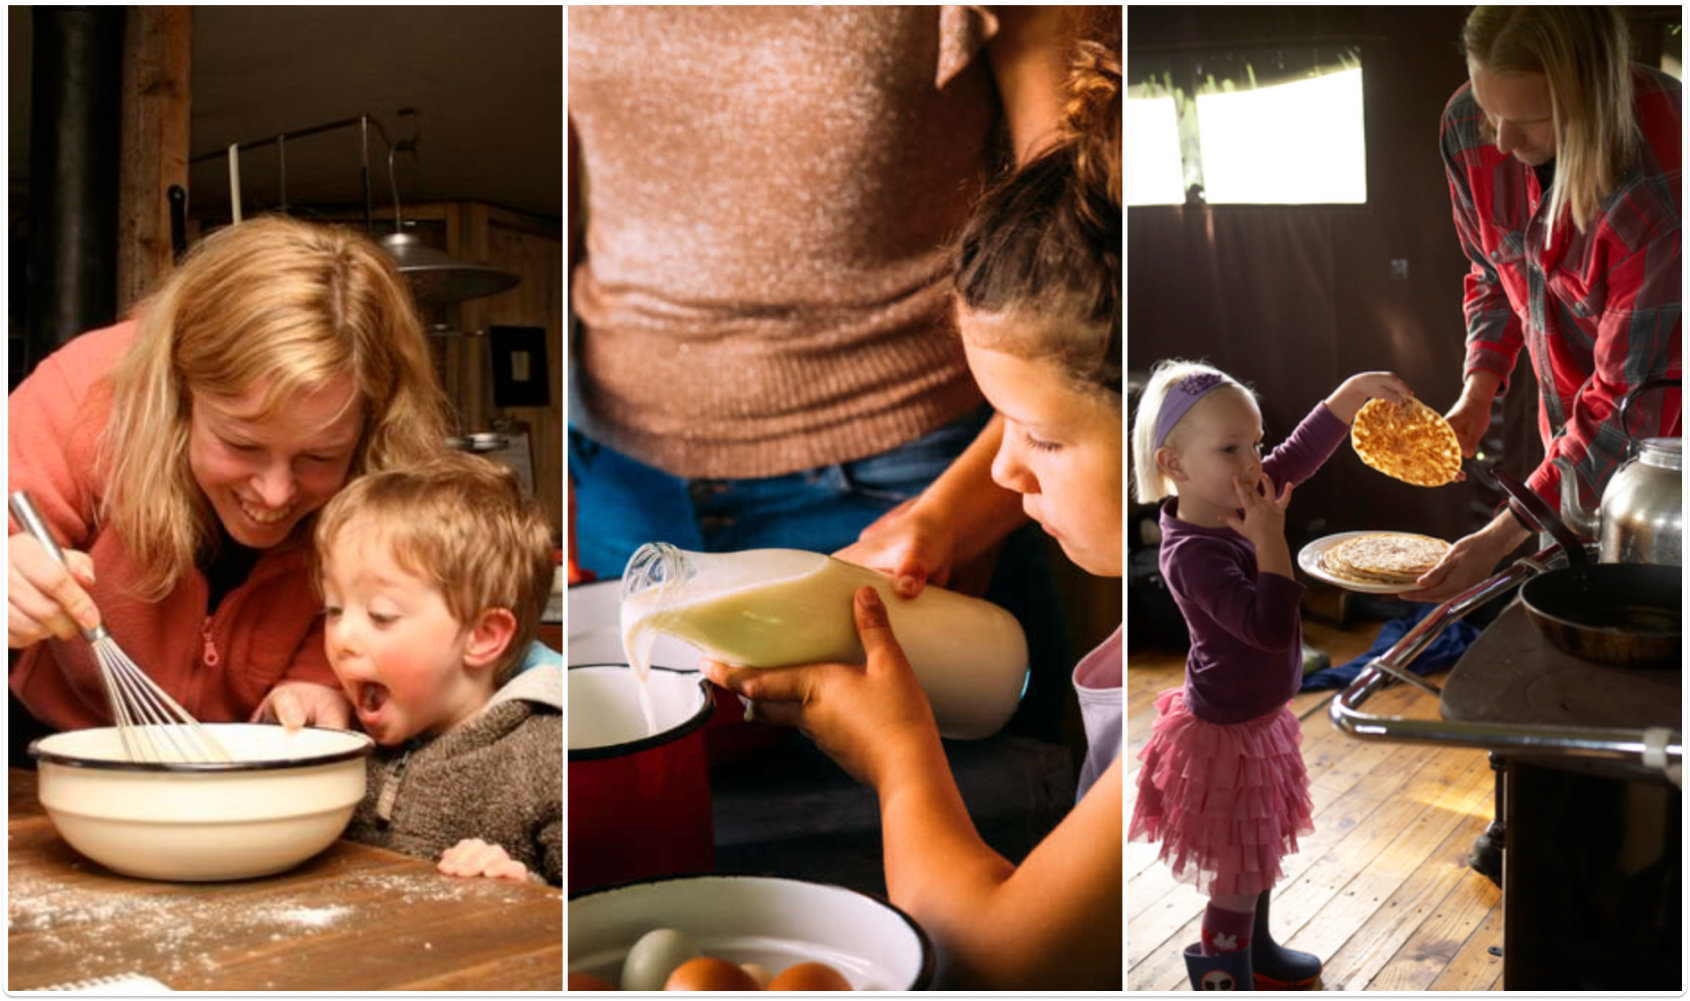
x: 151, y: 726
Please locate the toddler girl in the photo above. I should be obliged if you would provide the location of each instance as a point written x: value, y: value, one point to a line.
x: 1223, y: 786
x: 1038, y: 288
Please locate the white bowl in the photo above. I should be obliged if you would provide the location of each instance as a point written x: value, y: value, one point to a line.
x: 755, y: 919
x: 605, y: 712
x: 284, y: 798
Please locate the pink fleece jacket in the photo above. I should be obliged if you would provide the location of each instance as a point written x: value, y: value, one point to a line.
x: 220, y: 664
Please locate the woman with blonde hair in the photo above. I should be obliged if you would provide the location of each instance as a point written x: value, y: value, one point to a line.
x: 1563, y: 160
x: 180, y: 457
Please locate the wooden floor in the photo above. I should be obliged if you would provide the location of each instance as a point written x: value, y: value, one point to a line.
x: 1381, y: 891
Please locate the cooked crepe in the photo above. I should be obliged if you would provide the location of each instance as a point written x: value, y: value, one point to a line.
x: 1411, y: 442
x: 1383, y: 558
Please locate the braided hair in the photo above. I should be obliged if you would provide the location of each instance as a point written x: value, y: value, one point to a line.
x: 1045, y: 244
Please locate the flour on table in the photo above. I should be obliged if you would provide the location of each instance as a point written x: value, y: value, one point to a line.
x: 69, y: 925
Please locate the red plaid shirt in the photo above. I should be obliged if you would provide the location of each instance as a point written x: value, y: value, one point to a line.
x: 1597, y: 311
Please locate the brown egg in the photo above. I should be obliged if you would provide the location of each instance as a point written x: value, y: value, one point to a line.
x: 810, y: 977
x: 706, y: 973
x: 588, y: 982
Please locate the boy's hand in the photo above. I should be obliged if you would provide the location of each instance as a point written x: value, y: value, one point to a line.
x: 295, y: 704
x: 1347, y: 399
x: 870, y: 718
x: 475, y: 857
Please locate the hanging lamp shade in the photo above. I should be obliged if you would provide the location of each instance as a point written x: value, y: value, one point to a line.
x: 437, y: 278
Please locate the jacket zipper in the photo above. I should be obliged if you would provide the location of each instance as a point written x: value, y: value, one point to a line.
x: 390, y: 789
x: 211, y: 656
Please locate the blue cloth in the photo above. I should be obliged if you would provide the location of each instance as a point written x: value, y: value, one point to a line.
x: 621, y: 503
x: 1443, y: 651
x: 540, y: 655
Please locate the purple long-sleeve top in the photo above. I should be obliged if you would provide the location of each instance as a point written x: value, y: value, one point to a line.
x: 1246, y: 627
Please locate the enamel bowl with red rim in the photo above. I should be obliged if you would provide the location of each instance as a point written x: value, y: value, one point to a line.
x: 772, y: 921
x: 595, y: 638
x: 639, y: 792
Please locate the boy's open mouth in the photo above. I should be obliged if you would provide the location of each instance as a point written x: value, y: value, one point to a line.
x: 371, y: 698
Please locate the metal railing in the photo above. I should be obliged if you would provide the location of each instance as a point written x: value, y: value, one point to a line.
x: 1657, y: 748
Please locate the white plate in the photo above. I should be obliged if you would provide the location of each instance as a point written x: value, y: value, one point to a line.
x: 1309, y: 560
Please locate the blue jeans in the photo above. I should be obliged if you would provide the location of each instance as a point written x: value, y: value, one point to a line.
x: 621, y: 504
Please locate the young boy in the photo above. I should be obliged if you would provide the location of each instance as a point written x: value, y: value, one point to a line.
x: 433, y: 581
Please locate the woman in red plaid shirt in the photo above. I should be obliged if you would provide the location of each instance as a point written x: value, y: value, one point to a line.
x: 1563, y: 164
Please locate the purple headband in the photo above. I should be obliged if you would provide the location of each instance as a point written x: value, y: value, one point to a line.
x: 1182, y: 396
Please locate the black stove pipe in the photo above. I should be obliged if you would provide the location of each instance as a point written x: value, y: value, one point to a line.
x: 74, y: 150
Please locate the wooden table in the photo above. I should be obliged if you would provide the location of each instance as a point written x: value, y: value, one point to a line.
x: 354, y: 918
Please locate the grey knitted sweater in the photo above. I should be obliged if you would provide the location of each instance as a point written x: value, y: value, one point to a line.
x: 498, y: 777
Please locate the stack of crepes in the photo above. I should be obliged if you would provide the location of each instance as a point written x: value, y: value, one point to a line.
x: 1383, y: 558
x: 1411, y: 442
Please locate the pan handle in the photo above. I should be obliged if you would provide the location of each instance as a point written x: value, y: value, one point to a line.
x: 1535, y: 510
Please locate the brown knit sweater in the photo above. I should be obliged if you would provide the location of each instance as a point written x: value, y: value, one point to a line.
x: 768, y: 193
x: 498, y: 777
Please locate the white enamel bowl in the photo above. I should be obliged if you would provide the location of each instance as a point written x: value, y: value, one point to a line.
x: 755, y: 919
x: 284, y: 798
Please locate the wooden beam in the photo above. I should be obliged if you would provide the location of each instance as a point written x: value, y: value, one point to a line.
x: 157, y: 57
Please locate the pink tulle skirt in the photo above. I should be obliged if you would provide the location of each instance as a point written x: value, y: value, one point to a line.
x: 1226, y: 802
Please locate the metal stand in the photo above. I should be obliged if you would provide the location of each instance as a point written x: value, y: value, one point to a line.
x: 1488, y: 847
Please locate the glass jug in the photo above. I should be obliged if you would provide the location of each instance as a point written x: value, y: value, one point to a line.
x: 777, y: 607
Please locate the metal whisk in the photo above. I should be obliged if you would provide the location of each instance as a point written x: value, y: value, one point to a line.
x: 151, y: 725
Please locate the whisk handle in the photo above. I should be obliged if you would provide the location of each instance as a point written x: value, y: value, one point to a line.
x: 23, y: 509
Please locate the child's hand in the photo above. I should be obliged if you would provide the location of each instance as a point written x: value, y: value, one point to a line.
x: 294, y: 704
x: 871, y: 718
x: 475, y: 857
x: 1262, y: 522
x: 1347, y: 399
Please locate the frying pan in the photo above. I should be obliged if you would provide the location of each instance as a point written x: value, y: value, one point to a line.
x: 1623, y: 614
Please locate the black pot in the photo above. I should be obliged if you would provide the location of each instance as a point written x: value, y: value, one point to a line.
x: 1625, y: 614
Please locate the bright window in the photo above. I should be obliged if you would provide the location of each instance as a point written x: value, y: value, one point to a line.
x: 1297, y: 143
x: 1152, y: 168
x: 1262, y: 127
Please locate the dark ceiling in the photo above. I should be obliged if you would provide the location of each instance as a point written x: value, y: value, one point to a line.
x: 486, y: 83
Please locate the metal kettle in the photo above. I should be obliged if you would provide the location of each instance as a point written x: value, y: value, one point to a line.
x: 1641, y: 518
